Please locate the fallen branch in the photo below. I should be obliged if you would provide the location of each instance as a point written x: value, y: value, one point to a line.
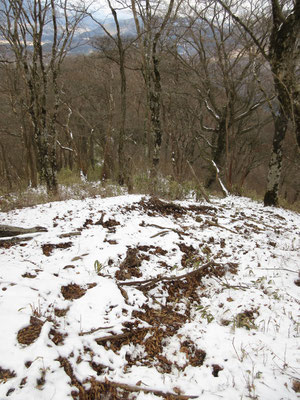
x: 201, y: 187
x: 125, y: 335
x: 196, y: 274
x: 7, y: 230
x: 222, y: 186
x: 10, y: 242
x: 102, y: 387
x: 134, y: 388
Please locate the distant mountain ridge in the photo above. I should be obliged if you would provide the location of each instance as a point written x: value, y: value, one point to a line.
x: 89, y: 30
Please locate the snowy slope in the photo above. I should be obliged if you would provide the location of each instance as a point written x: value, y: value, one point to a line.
x: 134, y: 297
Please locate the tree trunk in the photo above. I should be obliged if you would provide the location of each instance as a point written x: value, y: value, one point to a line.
x: 275, y: 164
x: 155, y: 110
x: 30, y: 157
x: 92, y: 150
x: 217, y: 153
x: 282, y: 53
x: 108, y: 162
x: 121, y: 177
x: 46, y: 162
x: 6, y: 167
x: 296, y: 103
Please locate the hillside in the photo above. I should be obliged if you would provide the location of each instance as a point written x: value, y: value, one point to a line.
x: 133, y: 297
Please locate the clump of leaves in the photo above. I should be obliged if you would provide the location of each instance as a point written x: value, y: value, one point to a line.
x: 205, y: 313
x: 6, y: 374
x: 194, y: 355
x: 246, y: 319
x: 72, y: 291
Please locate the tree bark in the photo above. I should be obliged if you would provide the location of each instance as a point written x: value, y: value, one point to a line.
x: 282, y: 51
x: 123, y: 90
x: 275, y: 164
x: 150, y: 71
x: 218, y: 153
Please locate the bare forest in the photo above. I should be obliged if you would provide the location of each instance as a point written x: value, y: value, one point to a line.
x: 202, y: 94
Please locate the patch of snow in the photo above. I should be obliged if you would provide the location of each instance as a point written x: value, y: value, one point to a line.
x: 246, y: 321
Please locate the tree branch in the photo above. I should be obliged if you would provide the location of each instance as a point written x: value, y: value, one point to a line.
x: 246, y: 28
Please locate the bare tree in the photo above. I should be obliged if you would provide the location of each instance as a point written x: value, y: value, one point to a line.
x: 18, y: 126
x: 121, y: 46
x: 38, y: 35
x: 220, y: 68
x: 283, y: 56
x: 151, y: 24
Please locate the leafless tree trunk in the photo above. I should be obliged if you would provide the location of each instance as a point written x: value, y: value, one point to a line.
x: 150, y: 33
x: 120, y: 60
x: 283, y: 57
x: 284, y: 46
x: 108, y: 162
x: 23, y: 26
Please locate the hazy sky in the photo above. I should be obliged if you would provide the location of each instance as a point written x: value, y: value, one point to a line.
x: 103, y: 10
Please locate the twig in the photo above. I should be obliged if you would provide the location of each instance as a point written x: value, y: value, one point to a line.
x: 94, y: 330
x: 162, y: 233
x: 26, y: 260
x: 64, y: 235
x: 236, y: 351
x: 211, y: 223
x: 165, y: 230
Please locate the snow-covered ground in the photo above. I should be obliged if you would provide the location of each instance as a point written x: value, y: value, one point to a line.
x: 133, y: 297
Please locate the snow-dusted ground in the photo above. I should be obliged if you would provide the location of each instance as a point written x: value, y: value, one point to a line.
x: 71, y: 323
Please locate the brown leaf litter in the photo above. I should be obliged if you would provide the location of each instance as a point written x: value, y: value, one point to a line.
x: 130, y: 266
x: 47, y: 248
x: 72, y: 291
x: 6, y: 374
x: 31, y: 332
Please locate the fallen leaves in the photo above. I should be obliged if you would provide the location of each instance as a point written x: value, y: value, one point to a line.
x: 47, y: 248
x: 6, y: 374
x: 72, y: 291
x: 30, y: 333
